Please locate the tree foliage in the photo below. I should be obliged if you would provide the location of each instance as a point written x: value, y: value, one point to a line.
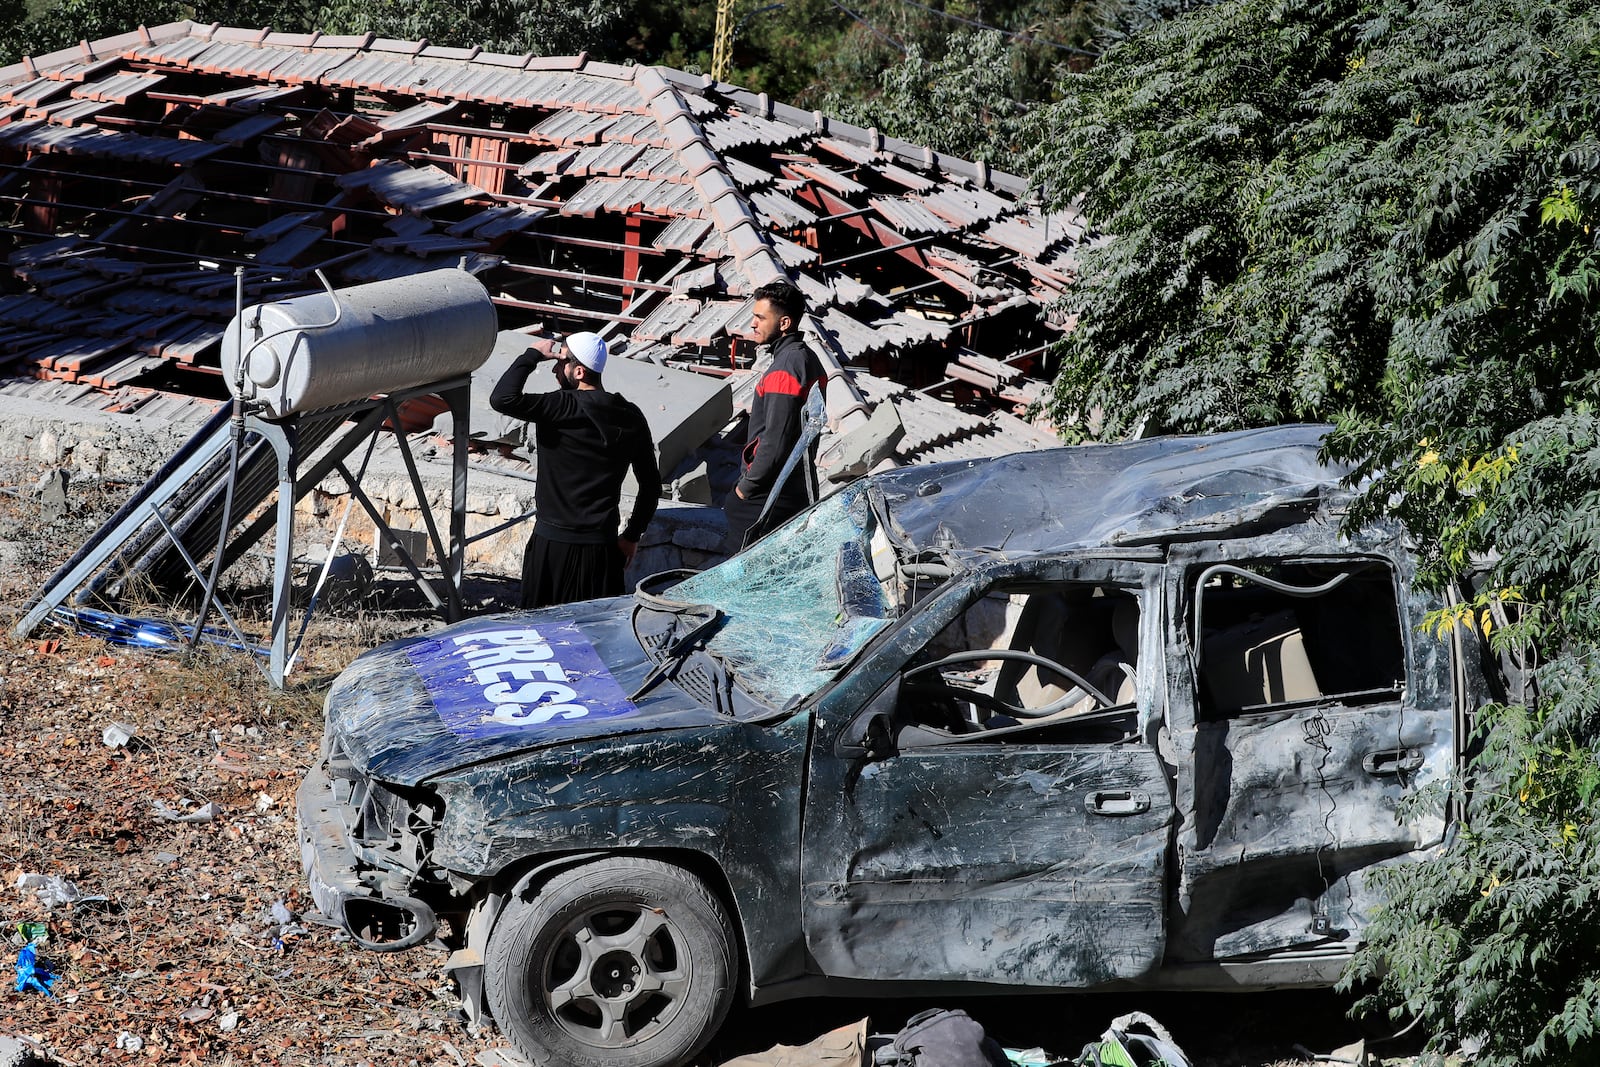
x: 1382, y: 213
x: 814, y: 53
x: 964, y: 103
x: 71, y: 21
x: 516, y: 27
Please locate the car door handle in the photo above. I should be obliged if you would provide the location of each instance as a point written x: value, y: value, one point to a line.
x: 1117, y: 802
x: 1391, y: 761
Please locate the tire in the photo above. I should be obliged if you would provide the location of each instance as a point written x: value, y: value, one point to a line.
x: 624, y: 962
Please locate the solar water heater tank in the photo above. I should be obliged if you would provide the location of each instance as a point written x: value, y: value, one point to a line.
x: 389, y: 335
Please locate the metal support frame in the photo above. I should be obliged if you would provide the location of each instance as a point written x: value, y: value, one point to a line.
x: 366, y: 419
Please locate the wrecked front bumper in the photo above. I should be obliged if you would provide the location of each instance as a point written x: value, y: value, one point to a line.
x: 349, y: 891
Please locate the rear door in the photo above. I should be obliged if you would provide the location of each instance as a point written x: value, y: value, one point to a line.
x: 1305, y: 706
x: 946, y: 840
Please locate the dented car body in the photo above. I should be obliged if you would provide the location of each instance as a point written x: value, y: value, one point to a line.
x: 1107, y: 716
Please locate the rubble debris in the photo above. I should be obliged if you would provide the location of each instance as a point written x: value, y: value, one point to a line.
x: 204, y: 813
x: 52, y: 890
x: 53, y: 495
x: 118, y: 735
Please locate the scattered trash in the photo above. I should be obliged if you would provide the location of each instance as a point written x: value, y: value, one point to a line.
x: 204, y: 813
x: 166, y: 859
x: 941, y: 1037
x: 52, y: 889
x: 228, y: 1022
x: 130, y: 1042
x: 153, y: 634
x: 118, y: 735
x: 33, y: 933
x: 1032, y: 1057
x: 281, y: 914
x: 32, y: 972
x: 1124, y: 1045
x: 264, y: 803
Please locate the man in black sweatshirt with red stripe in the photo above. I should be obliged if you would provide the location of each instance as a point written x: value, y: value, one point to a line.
x: 775, y: 420
x: 585, y: 439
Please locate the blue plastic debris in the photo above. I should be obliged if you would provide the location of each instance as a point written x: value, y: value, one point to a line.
x: 32, y: 972
x: 154, y: 634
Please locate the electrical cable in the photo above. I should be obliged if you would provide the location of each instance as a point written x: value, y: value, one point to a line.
x: 885, y: 38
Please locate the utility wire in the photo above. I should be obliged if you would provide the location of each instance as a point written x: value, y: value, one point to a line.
x: 1028, y: 37
x: 885, y: 38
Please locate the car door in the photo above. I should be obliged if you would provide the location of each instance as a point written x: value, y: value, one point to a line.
x: 1008, y: 851
x: 1305, y: 705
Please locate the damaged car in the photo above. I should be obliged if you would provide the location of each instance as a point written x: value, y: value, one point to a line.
x: 1111, y: 716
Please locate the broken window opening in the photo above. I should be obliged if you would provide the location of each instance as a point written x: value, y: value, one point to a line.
x: 1024, y: 656
x: 1295, y: 633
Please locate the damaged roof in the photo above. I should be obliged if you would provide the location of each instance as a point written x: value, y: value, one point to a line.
x: 141, y: 170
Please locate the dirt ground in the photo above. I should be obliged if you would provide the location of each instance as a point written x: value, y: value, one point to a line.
x: 187, y: 941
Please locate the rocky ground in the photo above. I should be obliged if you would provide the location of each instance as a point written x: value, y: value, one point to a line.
x: 148, y: 834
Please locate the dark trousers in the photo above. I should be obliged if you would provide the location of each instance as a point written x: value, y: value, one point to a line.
x: 555, y: 572
x: 743, y: 527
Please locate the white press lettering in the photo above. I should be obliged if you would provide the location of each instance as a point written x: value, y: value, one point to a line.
x: 500, y: 637
x: 516, y: 713
x: 482, y: 657
x: 489, y: 675
x: 531, y: 693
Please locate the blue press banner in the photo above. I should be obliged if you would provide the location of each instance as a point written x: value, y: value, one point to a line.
x: 498, y: 681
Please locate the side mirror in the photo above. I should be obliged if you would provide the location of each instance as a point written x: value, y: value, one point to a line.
x: 868, y: 737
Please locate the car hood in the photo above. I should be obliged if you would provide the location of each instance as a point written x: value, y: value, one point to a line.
x: 497, y: 686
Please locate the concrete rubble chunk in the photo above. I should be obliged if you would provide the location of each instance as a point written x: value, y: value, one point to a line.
x: 861, y: 450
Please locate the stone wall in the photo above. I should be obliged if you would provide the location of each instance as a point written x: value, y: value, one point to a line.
x: 37, y: 438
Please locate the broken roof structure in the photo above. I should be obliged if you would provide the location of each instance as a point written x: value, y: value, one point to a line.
x: 139, y: 171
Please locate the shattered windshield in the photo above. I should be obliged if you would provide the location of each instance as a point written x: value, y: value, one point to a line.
x: 801, y: 602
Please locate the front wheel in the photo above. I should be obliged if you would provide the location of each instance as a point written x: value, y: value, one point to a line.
x: 624, y: 962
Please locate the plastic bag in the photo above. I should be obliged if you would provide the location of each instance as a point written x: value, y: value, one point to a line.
x: 1133, y: 1040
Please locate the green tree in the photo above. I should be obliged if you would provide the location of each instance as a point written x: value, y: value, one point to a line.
x: 71, y: 21
x: 1382, y: 213
x: 962, y: 103
x: 540, y: 27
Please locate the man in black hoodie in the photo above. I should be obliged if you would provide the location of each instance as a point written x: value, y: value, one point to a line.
x: 585, y: 439
x: 775, y: 420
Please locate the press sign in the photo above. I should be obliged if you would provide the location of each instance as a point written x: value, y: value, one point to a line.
x: 496, y: 681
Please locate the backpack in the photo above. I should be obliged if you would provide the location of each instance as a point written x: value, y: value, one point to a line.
x: 1122, y: 1045
x: 941, y: 1037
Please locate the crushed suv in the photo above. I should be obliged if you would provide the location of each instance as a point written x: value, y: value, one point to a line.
x: 1131, y: 715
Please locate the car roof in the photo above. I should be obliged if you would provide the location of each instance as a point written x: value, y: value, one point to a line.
x: 1130, y: 493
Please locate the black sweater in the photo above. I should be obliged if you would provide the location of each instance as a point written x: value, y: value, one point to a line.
x: 585, y: 441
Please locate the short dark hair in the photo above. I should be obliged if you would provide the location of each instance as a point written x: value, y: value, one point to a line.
x: 786, y: 298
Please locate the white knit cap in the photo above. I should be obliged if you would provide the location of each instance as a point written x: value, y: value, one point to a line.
x: 588, y: 349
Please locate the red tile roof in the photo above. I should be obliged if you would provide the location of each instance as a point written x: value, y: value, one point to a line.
x: 139, y: 171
